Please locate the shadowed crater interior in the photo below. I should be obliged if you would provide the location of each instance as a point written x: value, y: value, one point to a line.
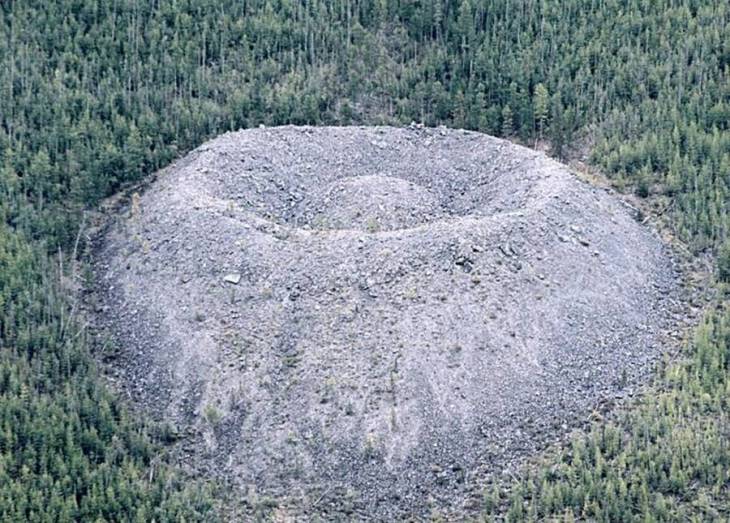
x: 375, y: 315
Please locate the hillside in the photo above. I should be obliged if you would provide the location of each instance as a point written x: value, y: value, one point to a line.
x: 376, y: 311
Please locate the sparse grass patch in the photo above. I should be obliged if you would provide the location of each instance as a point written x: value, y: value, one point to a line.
x: 212, y: 415
x: 372, y: 225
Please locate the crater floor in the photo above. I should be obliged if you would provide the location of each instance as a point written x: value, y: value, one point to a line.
x: 367, y: 318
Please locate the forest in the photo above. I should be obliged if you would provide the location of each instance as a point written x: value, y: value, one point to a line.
x: 96, y: 94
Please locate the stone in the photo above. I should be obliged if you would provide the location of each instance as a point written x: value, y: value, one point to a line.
x: 232, y: 277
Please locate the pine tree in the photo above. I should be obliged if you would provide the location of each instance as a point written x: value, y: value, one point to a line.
x: 541, y: 103
x: 507, y: 129
x: 723, y: 262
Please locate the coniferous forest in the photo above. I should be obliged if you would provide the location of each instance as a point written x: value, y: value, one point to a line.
x: 96, y: 94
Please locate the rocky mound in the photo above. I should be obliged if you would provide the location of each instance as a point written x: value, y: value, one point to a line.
x: 373, y: 314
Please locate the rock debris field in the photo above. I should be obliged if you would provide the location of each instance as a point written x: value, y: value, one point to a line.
x: 363, y: 319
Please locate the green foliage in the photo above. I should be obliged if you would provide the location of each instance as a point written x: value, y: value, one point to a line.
x: 643, y: 178
x: 212, y: 414
x: 68, y: 451
x: 723, y: 262
x: 542, y: 99
x: 95, y: 94
x: 507, y: 122
x: 667, y: 459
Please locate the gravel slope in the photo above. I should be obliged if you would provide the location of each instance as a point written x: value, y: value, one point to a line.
x: 365, y: 317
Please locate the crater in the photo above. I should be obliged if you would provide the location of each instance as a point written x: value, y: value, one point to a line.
x: 369, y: 203
x: 376, y: 317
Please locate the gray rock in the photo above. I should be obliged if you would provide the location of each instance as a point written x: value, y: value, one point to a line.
x: 232, y: 277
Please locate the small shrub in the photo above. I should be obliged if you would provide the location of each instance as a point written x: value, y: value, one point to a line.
x: 212, y: 415
x: 723, y: 262
x: 642, y: 187
x: 372, y: 225
x: 643, y: 180
x: 370, y: 448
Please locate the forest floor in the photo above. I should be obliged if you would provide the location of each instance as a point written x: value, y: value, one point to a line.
x: 369, y: 321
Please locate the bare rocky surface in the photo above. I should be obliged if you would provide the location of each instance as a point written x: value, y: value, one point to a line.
x: 356, y: 320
